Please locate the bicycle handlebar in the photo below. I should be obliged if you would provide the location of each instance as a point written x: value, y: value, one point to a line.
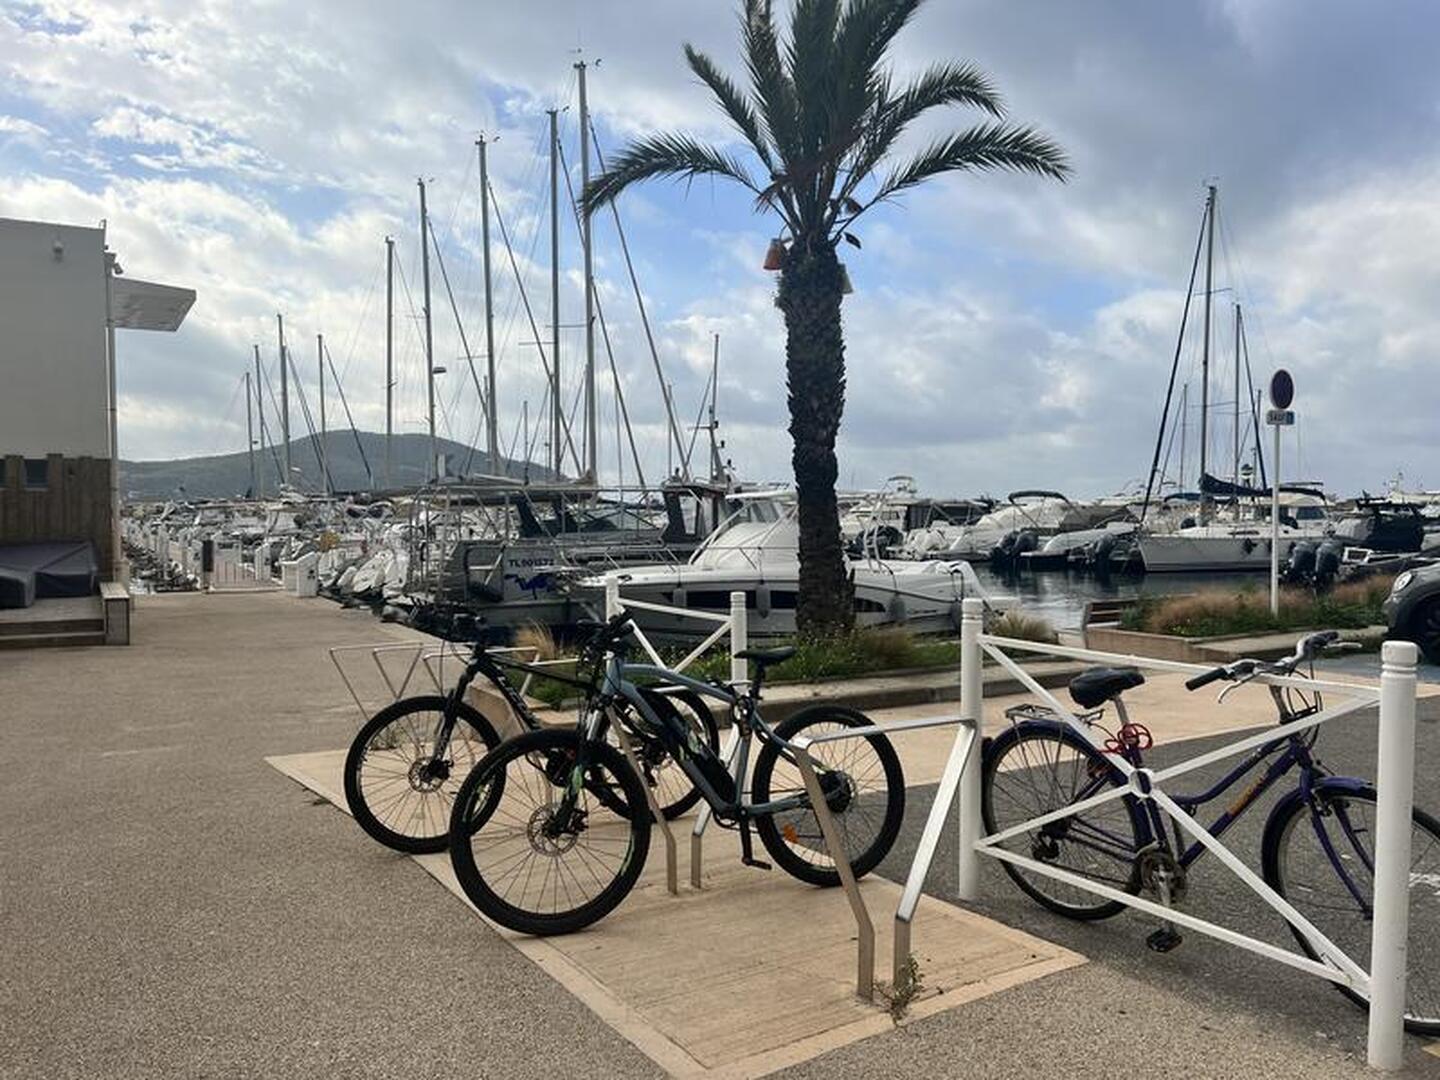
x: 1307, y: 648
x: 1206, y: 678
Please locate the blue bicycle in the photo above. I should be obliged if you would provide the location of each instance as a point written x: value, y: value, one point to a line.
x: 1317, y: 849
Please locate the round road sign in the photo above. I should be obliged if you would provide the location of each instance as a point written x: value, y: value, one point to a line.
x: 1282, y: 389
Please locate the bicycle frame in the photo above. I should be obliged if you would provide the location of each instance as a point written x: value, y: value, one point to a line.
x: 1296, y: 754
x: 618, y: 684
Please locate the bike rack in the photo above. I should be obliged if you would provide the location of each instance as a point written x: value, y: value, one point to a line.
x: 422, y: 656
x: 736, y: 624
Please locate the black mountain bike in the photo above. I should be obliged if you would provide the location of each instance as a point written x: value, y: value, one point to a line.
x: 551, y: 830
x: 405, y: 765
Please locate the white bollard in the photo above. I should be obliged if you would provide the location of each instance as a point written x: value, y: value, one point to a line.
x: 972, y: 712
x: 739, y: 638
x: 1394, y: 795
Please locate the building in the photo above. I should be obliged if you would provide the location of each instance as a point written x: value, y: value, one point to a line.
x: 62, y: 297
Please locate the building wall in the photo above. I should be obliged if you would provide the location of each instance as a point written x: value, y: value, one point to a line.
x: 72, y: 504
x: 54, y: 387
x: 53, y: 382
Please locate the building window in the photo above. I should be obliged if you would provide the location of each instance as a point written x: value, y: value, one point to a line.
x: 37, y: 473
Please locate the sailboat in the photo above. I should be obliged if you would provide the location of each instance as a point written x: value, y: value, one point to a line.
x: 1231, y: 529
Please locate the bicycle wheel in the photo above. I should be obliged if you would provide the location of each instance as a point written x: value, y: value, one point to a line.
x: 864, y: 788
x: 674, y: 791
x: 1034, y: 769
x: 526, y: 862
x: 1333, y: 888
x: 397, y: 790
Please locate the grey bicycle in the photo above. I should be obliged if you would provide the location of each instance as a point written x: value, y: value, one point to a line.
x: 551, y: 829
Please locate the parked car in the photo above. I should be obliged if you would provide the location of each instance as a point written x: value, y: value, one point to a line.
x: 1412, y: 609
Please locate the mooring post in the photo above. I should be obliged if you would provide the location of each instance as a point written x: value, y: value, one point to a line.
x: 1395, y: 793
x: 972, y: 711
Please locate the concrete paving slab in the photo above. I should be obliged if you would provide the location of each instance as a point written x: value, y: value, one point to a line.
x: 682, y: 977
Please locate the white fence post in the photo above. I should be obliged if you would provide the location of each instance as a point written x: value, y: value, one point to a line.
x: 1395, y: 792
x: 972, y: 713
x: 612, y: 598
x: 739, y: 638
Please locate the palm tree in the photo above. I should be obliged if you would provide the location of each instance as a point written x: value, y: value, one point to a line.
x: 823, y: 114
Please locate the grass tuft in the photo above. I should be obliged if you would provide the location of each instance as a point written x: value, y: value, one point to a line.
x: 1022, y: 627
x: 1215, y: 612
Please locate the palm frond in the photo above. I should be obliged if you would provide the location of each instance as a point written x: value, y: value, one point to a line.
x: 774, y: 91
x: 733, y: 101
x: 984, y: 147
x: 677, y: 156
x: 940, y: 85
x: 810, y: 56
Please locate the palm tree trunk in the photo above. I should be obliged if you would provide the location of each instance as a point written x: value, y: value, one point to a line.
x: 809, y: 297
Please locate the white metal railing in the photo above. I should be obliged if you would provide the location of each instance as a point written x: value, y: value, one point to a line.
x: 1384, y: 983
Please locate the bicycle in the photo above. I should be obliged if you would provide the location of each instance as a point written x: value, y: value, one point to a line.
x: 549, y: 832
x: 1040, y: 764
x: 404, y: 766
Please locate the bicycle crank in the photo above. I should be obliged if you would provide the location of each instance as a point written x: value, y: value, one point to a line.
x: 1164, y: 878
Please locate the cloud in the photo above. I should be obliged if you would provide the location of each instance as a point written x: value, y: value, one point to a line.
x: 1004, y: 332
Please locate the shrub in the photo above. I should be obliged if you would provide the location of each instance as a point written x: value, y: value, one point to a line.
x: 1216, y: 612
x: 1022, y: 627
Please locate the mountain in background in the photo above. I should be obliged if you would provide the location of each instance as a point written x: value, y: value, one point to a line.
x: 228, y: 475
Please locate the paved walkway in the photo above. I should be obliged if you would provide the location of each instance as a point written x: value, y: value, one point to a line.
x: 172, y: 906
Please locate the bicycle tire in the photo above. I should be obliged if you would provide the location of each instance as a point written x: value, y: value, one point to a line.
x: 1085, y: 766
x: 1281, y: 870
x: 795, y: 842
x: 529, y: 766
x: 400, y: 832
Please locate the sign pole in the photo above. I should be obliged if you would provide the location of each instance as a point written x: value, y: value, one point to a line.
x: 1275, y: 527
x: 1282, y: 393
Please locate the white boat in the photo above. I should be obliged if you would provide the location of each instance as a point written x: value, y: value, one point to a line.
x: 1036, y: 513
x: 1237, y: 544
x: 756, y: 551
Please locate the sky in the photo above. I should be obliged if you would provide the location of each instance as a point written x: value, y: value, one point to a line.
x: 1004, y: 332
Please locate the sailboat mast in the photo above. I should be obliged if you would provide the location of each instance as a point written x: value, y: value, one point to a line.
x: 389, y: 352
x: 250, y: 432
x: 1184, y: 430
x: 284, y: 397
x: 557, y: 407
x: 432, y: 472
x: 1205, y: 345
x: 592, y: 442
x: 1237, y: 394
x: 492, y: 412
x: 715, y: 469
x: 260, y: 408
x: 324, y: 449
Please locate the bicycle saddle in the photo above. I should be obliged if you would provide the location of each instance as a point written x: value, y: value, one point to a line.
x: 766, y: 657
x: 1098, y: 685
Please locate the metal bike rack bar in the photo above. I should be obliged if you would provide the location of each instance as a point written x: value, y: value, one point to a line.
x: 736, y: 624
x: 959, y: 756
x: 672, y: 876
x: 1385, y: 983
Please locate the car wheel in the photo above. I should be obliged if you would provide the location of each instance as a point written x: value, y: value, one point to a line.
x: 1424, y: 629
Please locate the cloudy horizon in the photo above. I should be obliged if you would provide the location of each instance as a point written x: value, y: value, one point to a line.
x: 1004, y: 332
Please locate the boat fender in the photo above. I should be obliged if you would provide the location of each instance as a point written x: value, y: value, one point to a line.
x: 896, y: 609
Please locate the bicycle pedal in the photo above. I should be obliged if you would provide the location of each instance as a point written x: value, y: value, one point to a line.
x: 758, y: 864
x: 1164, y: 940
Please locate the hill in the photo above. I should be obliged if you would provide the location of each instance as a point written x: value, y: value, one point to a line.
x: 228, y: 475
